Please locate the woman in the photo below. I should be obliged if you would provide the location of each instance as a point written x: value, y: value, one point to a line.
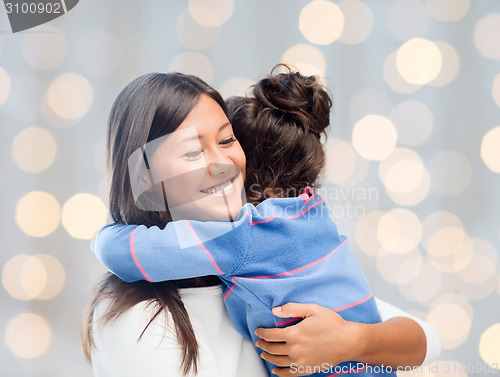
x: 149, y: 108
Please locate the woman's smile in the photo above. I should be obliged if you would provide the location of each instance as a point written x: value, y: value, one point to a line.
x: 224, y: 188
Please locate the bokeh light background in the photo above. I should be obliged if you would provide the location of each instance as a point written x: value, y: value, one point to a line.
x: 413, y: 174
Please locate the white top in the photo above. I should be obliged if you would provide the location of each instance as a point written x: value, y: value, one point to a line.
x: 223, y: 352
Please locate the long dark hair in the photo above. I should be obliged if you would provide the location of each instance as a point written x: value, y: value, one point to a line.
x: 279, y: 129
x: 149, y: 107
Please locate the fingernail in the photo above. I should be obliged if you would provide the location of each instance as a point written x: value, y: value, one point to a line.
x: 277, y: 309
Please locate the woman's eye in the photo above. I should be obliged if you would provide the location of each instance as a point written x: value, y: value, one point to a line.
x: 228, y: 142
x: 193, y: 155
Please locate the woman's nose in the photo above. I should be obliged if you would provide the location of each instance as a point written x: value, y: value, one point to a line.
x: 218, y: 163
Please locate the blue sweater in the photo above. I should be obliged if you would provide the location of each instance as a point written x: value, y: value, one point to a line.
x: 280, y: 251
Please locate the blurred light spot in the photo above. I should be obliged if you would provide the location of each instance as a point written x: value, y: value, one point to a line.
x: 34, y: 149
x: 321, y: 22
x: 405, y: 178
x: 343, y: 165
x: 56, y: 276
x: 418, y: 61
x: 490, y: 344
x: 477, y: 279
x: 366, y: 233
x: 369, y: 101
x: 414, y: 122
x: 495, y: 91
x: 4, y: 86
x: 99, y: 53
x: 70, y: 96
x: 424, y: 286
x: 33, y: 276
x: 400, y: 268
x: 447, y: 10
x: 193, y: 63
x: 340, y: 160
x: 83, y: 214
x: 28, y: 335
x: 451, y: 173
x: 449, y: 249
x: 446, y: 241
x: 211, y: 13
x: 38, y: 214
x: 436, y: 221
x: 394, y: 78
x: 45, y: 50
x: 193, y: 35
x: 487, y: 36
x: 236, y: 86
x: 415, y: 196
x: 11, y: 277
x: 374, y: 137
x: 408, y: 19
x: 27, y: 277
x: 358, y: 21
x: 490, y: 149
x: 451, y: 322
x: 307, y: 59
x: 399, y: 231
x: 450, y: 64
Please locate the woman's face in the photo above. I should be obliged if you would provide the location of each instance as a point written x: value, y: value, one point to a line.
x: 201, y: 165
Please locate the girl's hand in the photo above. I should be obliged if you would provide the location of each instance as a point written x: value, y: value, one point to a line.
x: 321, y: 340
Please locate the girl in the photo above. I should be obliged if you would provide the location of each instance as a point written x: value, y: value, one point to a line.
x: 220, y: 151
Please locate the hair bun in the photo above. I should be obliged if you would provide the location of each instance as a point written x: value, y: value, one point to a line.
x: 302, y: 100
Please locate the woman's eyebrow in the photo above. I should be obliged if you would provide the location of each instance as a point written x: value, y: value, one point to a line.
x: 224, y: 126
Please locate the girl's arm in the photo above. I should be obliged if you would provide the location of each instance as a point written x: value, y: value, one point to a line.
x: 324, y: 338
x: 183, y: 249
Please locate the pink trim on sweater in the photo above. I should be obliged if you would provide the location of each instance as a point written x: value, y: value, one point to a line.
x: 134, y: 257
x: 305, y: 197
x: 287, y: 321
x: 354, y: 303
x: 291, y: 272
x: 204, y: 248
x: 281, y: 217
x: 359, y: 302
x: 229, y: 292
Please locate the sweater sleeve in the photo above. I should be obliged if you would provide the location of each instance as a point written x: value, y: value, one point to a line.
x: 388, y: 311
x: 183, y: 249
